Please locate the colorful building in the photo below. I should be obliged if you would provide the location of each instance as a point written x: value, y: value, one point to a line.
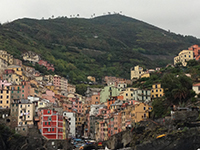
x: 183, y: 57
x: 107, y: 92
x: 26, y: 111
x: 136, y: 72
x: 157, y: 90
x: 196, y: 50
x: 140, y: 112
x: 5, y: 98
x: 52, y: 124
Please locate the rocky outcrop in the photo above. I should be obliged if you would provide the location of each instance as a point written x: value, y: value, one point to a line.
x: 181, y: 132
x: 33, y: 141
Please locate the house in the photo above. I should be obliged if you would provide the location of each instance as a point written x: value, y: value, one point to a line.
x: 142, y: 95
x: 52, y: 124
x: 31, y: 57
x: 71, y: 88
x: 17, y: 69
x: 6, y: 56
x: 136, y: 72
x: 3, y: 65
x: 25, y: 89
x: 196, y: 88
x: 49, y: 95
x: 71, y: 117
x: 17, y: 62
x: 157, y: 90
x: 127, y: 93
x: 63, y: 84
x: 107, y: 92
x: 196, y: 50
x: 93, y: 79
x: 15, y: 93
x: 12, y: 77
x: 140, y: 112
x: 5, y: 98
x: 46, y: 64
x: 183, y: 57
x: 26, y: 111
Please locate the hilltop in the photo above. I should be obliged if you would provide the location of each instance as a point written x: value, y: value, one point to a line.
x: 105, y: 45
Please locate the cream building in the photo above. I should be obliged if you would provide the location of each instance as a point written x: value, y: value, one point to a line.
x: 26, y: 111
x: 136, y: 73
x: 127, y: 93
x: 3, y: 65
x: 31, y: 57
x: 6, y: 56
x: 183, y: 57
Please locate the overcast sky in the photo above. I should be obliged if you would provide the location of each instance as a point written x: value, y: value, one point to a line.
x: 179, y: 16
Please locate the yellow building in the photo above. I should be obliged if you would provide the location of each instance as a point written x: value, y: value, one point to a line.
x: 5, y: 98
x: 6, y: 56
x: 140, y: 112
x: 26, y: 111
x: 145, y: 75
x: 12, y: 78
x: 93, y: 79
x: 50, y: 87
x: 157, y: 90
x: 18, y: 69
x: 127, y: 93
x: 183, y: 57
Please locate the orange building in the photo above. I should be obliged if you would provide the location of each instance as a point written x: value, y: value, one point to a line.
x: 113, y: 99
x: 196, y: 50
x: 95, y: 99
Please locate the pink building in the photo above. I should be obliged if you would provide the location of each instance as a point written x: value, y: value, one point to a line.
x: 57, y: 81
x: 46, y: 64
x: 25, y: 90
x: 4, y: 83
x: 49, y: 95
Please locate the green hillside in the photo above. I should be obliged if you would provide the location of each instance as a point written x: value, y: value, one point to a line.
x: 105, y: 45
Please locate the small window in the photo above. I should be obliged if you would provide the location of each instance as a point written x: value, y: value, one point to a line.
x: 144, y: 108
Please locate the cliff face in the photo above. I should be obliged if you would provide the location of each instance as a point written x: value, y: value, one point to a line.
x: 34, y: 140
x: 182, y: 140
x: 181, y: 133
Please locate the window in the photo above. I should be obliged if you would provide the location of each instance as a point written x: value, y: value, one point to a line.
x: 22, y: 86
x: 22, y: 95
x: 22, y: 91
x: 0, y: 102
x: 1, y: 96
x: 1, y: 91
x: 49, y: 123
x: 7, y: 97
x: 45, y: 123
x: 7, y: 102
x: 7, y: 91
x: 49, y: 129
x: 52, y: 129
x: 144, y: 108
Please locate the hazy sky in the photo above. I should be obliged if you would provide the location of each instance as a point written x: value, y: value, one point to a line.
x: 179, y: 16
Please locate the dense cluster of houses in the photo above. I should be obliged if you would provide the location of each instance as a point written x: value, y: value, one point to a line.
x: 49, y: 102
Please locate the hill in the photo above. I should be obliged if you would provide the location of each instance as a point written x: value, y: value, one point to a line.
x: 105, y: 45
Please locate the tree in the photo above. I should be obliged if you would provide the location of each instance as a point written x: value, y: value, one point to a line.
x: 177, y: 88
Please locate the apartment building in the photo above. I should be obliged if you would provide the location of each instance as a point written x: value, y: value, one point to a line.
x: 183, y: 57
x: 157, y: 90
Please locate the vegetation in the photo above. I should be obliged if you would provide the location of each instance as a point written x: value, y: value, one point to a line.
x: 106, y: 45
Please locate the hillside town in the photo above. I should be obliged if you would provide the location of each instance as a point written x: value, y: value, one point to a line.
x: 49, y: 102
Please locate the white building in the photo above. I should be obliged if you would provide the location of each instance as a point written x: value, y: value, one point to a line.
x: 71, y: 117
x: 142, y: 95
x: 196, y: 88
